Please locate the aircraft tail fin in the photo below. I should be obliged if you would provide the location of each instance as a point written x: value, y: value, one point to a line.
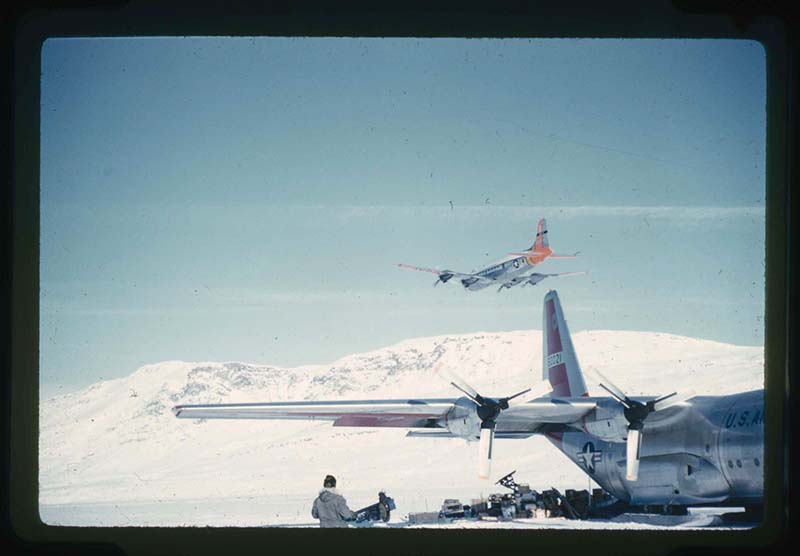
x: 559, y: 363
x: 541, y: 236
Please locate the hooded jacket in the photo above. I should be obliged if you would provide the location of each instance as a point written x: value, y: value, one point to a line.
x: 331, y: 509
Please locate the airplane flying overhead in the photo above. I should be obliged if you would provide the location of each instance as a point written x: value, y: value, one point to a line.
x: 670, y: 449
x: 512, y: 270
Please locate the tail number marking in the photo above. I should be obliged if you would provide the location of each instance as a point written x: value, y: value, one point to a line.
x: 554, y: 359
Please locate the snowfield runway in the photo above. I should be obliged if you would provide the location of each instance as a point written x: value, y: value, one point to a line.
x: 253, y: 513
x: 114, y: 454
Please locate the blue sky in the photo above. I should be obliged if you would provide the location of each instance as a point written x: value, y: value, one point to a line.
x: 247, y: 199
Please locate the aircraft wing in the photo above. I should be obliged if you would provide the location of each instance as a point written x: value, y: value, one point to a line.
x: 407, y: 413
x: 450, y: 273
x: 421, y: 269
x: 571, y: 410
x: 575, y: 273
x: 478, y: 277
x: 547, y: 410
x: 402, y: 413
x: 542, y: 276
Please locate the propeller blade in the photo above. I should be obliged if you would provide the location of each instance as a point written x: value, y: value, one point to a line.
x: 456, y: 381
x: 470, y: 396
x: 535, y: 392
x: 662, y: 398
x: 614, y: 395
x: 663, y: 402
x: 485, y: 451
x: 610, y: 387
x: 632, y: 454
x: 508, y: 399
x: 445, y: 375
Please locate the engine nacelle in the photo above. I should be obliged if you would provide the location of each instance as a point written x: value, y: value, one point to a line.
x: 607, y: 422
x: 534, y: 279
x: 462, y: 420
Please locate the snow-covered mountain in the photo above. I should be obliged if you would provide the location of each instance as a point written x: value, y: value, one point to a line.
x: 117, y: 444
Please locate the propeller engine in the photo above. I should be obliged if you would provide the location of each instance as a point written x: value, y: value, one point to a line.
x: 534, y: 279
x: 443, y: 278
x: 487, y: 410
x: 510, y: 284
x: 636, y: 413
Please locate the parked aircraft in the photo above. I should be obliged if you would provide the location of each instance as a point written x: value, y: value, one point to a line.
x: 668, y: 450
x: 512, y: 270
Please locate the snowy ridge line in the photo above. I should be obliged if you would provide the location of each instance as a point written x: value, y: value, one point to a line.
x: 419, y: 342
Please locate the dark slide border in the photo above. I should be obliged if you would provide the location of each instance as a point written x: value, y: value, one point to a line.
x: 31, y: 24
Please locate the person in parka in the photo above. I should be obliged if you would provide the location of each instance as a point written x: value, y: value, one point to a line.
x: 383, y: 506
x: 330, y: 507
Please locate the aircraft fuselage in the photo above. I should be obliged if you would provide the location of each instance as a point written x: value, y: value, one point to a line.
x: 710, y: 453
x: 505, y: 269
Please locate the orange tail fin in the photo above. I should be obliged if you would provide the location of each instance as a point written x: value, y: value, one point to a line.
x: 541, y: 236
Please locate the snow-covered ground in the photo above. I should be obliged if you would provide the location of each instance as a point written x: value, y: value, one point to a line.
x: 114, y: 454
